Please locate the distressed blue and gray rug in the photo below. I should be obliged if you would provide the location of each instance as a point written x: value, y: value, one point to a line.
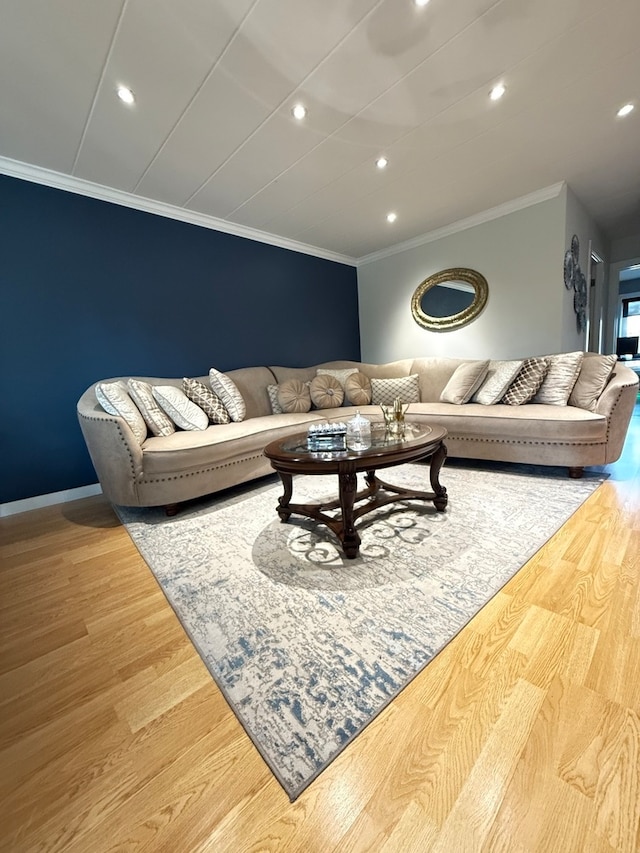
x: 309, y: 647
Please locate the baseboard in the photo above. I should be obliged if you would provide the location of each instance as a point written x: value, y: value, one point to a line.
x: 39, y: 501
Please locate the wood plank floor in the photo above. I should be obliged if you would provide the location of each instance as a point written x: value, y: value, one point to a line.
x: 522, y: 735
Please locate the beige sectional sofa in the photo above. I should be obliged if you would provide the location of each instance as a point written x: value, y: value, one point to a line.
x: 166, y: 470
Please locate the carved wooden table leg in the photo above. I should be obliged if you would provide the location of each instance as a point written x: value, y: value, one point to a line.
x: 437, y: 461
x: 350, y: 539
x: 283, y: 502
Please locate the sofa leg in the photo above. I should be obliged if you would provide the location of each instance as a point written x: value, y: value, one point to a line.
x: 171, y: 509
x: 576, y: 473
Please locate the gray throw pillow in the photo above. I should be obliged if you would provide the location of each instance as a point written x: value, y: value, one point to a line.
x: 142, y: 394
x: 499, y: 377
x: 115, y: 400
x: 592, y: 379
x: 227, y: 390
x: 559, y: 378
x: 182, y: 411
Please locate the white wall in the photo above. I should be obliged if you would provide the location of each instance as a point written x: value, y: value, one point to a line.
x: 578, y: 221
x: 625, y: 248
x: 521, y: 256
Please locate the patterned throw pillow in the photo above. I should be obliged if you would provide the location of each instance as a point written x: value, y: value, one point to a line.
x: 341, y: 374
x: 462, y: 385
x: 529, y: 379
x: 560, y: 378
x: 209, y: 402
x: 227, y: 390
x: 294, y: 396
x: 499, y: 377
x: 182, y: 411
x: 115, y: 400
x: 591, y: 382
x: 357, y: 389
x: 326, y: 391
x: 272, y: 391
x: 405, y: 388
x: 142, y: 394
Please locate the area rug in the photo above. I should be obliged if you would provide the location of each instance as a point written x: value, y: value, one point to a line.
x: 307, y: 646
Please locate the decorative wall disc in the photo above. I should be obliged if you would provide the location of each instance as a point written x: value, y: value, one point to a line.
x: 575, y: 249
x: 568, y: 269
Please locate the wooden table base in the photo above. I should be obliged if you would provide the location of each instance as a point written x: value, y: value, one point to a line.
x: 376, y: 494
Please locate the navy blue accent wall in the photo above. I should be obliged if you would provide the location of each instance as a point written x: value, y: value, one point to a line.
x: 91, y: 290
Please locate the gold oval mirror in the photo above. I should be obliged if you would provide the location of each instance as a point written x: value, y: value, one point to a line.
x: 449, y: 299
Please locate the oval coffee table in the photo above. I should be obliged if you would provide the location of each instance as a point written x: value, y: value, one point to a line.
x: 290, y: 456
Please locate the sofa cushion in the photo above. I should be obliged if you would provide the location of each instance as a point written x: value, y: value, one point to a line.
x: 182, y: 411
x: 595, y: 371
x: 357, y: 389
x: 294, y: 396
x: 227, y: 390
x: 326, y: 391
x: 464, y: 382
x: 209, y: 402
x: 404, y: 388
x: 559, y: 379
x: 499, y: 377
x: 190, y: 451
x: 529, y: 379
x: 515, y: 424
x: 115, y: 400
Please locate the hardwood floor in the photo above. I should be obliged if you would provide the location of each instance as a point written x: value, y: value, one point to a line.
x: 522, y: 735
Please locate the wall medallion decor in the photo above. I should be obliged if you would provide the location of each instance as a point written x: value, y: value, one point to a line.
x: 575, y: 279
x: 449, y: 299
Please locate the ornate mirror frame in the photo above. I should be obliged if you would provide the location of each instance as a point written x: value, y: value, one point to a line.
x: 445, y: 324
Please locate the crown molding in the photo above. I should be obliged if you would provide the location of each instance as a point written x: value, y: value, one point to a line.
x: 470, y: 222
x: 79, y: 186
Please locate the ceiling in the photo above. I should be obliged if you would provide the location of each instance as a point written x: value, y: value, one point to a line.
x: 211, y: 130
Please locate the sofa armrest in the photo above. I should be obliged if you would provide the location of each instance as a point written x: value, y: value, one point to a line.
x: 114, y: 450
x: 616, y: 403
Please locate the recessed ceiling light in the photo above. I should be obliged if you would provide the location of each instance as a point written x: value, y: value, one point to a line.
x: 497, y: 92
x: 624, y: 111
x: 299, y: 112
x: 421, y: 2
x: 381, y: 162
x: 391, y: 217
x: 125, y: 94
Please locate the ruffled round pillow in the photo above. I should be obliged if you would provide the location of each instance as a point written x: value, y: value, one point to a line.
x: 293, y: 396
x: 326, y: 392
x: 358, y: 389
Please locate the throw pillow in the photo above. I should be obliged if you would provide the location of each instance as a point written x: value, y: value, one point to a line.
x: 182, y: 411
x: 341, y: 374
x: 115, y: 400
x: 142, y: 395
x: 466, y: 379
x: 357, y: 389
x: 405, y: 388
x: 294, y: 396
x: 560, y: 378
x: 272, y: 391
x: 326, y: 391
x: 209, y: 402
x: 227, y: 390
x: 499, y: 376
x: 592, y: 379
x: 529, y: 379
